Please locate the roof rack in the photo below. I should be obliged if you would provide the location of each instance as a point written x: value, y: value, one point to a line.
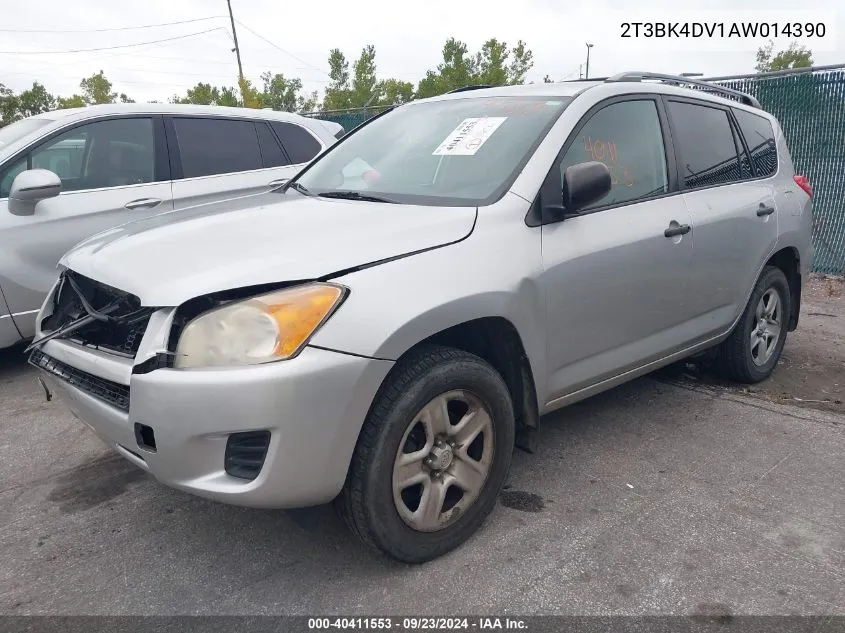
x: 465, y: 88
x: 743, y: 97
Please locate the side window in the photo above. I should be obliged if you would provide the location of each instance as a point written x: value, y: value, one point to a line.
x: 271, y: 151
x: 626, y: 137
x: 760, y: 138
x: 744, y: 161
x: 707, y: 145
x: 112, y: 153
x: 300, y: 145
x: 216, y: 146
x: 8, y: 177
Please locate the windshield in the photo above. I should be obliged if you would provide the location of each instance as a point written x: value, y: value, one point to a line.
x: 455, y: 152
x: 17, y: 130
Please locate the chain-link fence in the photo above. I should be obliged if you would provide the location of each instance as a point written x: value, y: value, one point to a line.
x: 349, y: 119
x: 810, y: 105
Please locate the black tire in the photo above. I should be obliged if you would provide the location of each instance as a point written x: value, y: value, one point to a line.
x: 734, y: 359
x: 366, y: 502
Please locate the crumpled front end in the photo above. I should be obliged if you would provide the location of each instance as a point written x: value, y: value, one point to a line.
x: 279, y: 434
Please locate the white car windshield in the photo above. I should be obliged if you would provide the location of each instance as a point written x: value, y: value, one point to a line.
x: 453, y: 152
x: 17, y: 130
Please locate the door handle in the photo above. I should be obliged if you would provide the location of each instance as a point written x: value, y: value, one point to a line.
x: 143, y: 203
x: 764, y: 210
x: 681, y: 229
x: 277, y: 183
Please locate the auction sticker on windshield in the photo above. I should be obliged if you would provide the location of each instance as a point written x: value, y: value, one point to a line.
x: 469, y: 136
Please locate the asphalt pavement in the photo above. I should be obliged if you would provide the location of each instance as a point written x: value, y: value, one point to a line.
x: 664, y: 496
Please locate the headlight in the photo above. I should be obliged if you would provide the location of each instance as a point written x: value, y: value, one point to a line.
x: 262, y: 329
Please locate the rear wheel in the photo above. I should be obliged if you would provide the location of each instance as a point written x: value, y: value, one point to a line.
x: 753, y: 349
x: 432, y: 456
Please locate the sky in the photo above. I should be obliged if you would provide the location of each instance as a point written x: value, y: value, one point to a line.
x: 294, y: 38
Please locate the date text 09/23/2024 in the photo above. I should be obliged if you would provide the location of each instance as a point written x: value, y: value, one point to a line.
x: 417, y: 624
x: 723, y: 29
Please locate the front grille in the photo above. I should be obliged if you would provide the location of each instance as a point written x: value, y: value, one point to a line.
x: 112, y: 393
x: 113, y: 336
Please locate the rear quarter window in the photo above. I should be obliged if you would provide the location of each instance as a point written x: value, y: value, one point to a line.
x: 760, y: 139
x: 298, y: 142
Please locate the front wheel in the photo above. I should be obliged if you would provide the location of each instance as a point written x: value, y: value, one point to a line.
x: 432, y: 456
x: 753, y: 349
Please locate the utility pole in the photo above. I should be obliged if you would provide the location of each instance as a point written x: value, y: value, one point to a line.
x: 580, y: 71
x: 237, y: 52
x: 587, y: 71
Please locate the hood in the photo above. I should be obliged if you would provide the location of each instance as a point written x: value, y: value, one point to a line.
x: 267, y: 238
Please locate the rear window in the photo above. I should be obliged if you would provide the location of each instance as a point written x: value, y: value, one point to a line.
x: 216, y: 146
x: 760, y: 139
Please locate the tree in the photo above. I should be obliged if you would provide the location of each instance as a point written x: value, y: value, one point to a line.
x: 97, y: 89
x: 394, y: 92
x: 458, y: 68
x: 495, y: 64
x: 522, y: 62
x: 281, y: 93
x: 338, y: 91
x: 491, y: 63
x: 74, y: 101
x: 36, y: 100
x: 308, y: 104
x: 9, y: 106
x: 364, y: 80
x: 250, y: 97
x: 201, y: 94
x: 228, y: 97
x: 795, y: 56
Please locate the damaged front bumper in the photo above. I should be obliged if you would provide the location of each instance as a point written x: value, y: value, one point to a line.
x: 274, y: 435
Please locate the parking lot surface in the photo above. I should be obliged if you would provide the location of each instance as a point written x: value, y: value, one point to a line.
x: 669, y: 495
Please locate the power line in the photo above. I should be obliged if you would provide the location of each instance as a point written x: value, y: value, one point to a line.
x: 276, y: 46
x: 119, y: 28
x: 108, y: 48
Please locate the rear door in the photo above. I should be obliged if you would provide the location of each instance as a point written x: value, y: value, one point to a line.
x: 216, y: 158
x: 733, y: 213
x: 113, y: 171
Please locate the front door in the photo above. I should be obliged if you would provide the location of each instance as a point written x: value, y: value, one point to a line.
x: 110, y: 175
x: 614, y: 279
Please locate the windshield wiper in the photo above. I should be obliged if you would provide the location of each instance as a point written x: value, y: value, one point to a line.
x: 356, y: 195
x: 297, y: 187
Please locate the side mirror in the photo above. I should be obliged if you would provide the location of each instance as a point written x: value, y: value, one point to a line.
x: 30, y: 187
x: 584, y: 184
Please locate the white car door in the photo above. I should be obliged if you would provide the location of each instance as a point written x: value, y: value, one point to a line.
x: 113, y: 170
x: 216, y: 158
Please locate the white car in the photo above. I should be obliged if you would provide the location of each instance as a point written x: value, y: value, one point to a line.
x: 109, y: 164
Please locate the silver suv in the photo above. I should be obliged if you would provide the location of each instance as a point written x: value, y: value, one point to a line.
x: 384, y: 329
x: 68, y: 174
